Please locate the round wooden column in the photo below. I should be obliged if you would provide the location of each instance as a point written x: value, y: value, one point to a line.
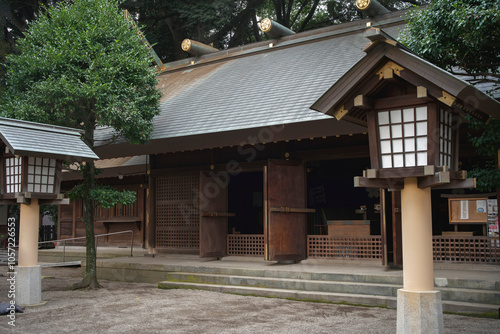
x: 28, y: 272
x: 416, y: 217
x: 28, y: 234
x: 420, y: 309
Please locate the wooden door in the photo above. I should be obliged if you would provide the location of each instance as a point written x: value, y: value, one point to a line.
x: 213, y: 217
x: 285, y: 229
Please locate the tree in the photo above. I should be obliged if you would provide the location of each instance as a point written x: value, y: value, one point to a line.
x: 82, y: 64
x: 463, y: 37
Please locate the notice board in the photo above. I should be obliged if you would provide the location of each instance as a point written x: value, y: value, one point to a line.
x: 468, y: 210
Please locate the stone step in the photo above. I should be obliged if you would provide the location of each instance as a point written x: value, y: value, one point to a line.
x: 318, y: 296
x: 330, y: 297
x: 344, y: 287
x: 148, y: 273
x: 470, y: 295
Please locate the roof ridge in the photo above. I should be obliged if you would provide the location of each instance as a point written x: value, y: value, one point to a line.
x: 40, y: 126
x: 309, y: 36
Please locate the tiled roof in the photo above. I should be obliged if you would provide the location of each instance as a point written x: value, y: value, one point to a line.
x: 41, y: 140
x: 221, y: 98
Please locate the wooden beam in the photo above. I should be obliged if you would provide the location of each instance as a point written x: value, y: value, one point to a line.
x: 63, y: 201
x: 437, y: 179
x: 363, y: 102
x: 8, y: 201
x: 401, y: 173
x: 363, y: 182
x: 458, y: 184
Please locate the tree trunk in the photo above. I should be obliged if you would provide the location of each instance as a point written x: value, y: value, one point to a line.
x: 88, y: 172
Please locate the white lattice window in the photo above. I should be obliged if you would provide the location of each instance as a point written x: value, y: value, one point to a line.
x: 403, y: 137
x: 445, y: 138
x: 41, y: 175
x: 13, y: 174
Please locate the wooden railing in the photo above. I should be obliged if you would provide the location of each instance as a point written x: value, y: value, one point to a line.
x: 466, y: 249
x: 245, y: 244
x: 347, y: 247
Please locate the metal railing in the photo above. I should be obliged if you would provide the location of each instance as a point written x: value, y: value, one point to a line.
x: 95, y: 236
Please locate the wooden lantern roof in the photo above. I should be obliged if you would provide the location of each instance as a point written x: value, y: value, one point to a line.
x: 389, y: 63
x: 47, y: 141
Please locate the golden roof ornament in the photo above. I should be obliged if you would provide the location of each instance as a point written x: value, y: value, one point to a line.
x: 186, y: 44
x: 362, y: 4
x: 266, y: 25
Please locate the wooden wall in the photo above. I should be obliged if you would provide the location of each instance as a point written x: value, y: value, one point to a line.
x: 118, y: 218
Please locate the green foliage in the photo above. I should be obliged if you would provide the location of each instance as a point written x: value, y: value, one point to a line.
x: 104, y: 196
x: 487, y: 177
x: 487, y: 144
x: 459, y: 36
x: 463, y: 38
x: 81, y: 65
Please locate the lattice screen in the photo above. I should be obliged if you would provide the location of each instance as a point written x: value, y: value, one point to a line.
x: 177, y: 215
x: 323, y: 246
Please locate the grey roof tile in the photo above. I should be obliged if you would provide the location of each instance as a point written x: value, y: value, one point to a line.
x: 35, y: 139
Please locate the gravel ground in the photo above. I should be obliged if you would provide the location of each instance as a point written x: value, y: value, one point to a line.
x: 142, y: 308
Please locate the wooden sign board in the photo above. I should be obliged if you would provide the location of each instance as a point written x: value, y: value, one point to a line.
x: 468, y: 210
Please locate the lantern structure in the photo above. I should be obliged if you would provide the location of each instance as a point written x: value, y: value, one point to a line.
x: 31, y: 161
x: 412, y: 110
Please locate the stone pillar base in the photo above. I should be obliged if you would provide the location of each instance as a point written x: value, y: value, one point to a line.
x: 419, y: 312
x: 28, y: 285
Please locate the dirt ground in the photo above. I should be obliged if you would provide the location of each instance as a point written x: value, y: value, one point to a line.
x: 142, y: 308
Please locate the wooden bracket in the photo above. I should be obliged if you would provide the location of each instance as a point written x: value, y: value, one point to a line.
x: 437, y: 179
x: 363, y: 182
x: 447, y: 99
x: 363, y: 102
x: 340, y: 113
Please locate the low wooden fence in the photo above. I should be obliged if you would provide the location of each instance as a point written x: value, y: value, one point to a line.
x: 245, y: 244
x: 446, y: 249
x: 466, y: 249
x: 362, y: 247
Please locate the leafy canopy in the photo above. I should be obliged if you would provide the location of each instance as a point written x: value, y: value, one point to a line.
x: 459, y: 36
x: 463, y: 38
x: 82, y: 65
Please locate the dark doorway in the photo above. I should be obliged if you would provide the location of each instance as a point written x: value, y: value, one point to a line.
x: 246, y: 201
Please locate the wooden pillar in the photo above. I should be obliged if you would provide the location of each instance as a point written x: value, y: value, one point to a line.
x: 150, y: 215
x: 28, y: 272
x: 28, y: 234
x: 420, y: 308
x: 416, y: 215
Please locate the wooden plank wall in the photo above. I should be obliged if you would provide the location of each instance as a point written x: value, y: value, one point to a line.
x: 119, y: 218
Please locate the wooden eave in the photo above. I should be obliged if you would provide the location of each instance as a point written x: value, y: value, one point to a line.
x: 338, y: 101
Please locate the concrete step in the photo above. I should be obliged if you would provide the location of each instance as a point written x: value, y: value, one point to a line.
x: 329, y: 297
x: 470, y: 295
x: 344, y: 287
x: 318, y: 296
x: 479, y: 296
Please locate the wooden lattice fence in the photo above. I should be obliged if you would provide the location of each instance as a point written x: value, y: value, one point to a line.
x: 466, y: 249
x: 245, y: 244
x: 362, y: 247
